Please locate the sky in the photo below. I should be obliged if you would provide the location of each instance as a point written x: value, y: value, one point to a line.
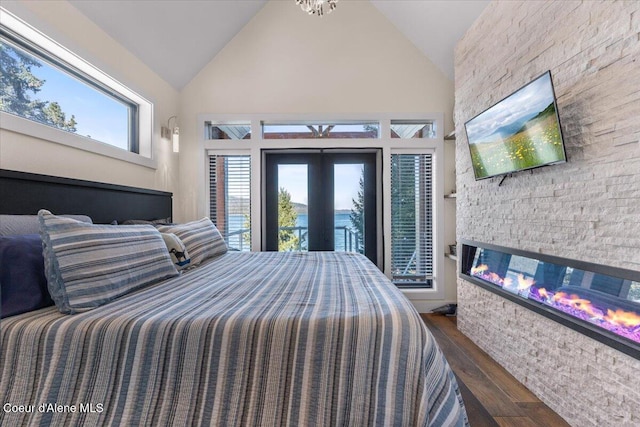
x: 97, y: 115
x: 294, y: 179
x: 529, y: 100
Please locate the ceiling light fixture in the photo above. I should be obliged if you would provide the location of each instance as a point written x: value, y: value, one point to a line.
x: 317, y: 7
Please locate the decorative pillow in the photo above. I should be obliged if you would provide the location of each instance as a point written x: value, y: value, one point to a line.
x: 177, y: 250
x: 201, y: 238
x: 89, y: 265
x: 23, y: 285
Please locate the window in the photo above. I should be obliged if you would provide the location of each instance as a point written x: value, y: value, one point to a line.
x: 37, y: 88
x: 411, y: 220
x: 410, y: 129
x: 230, y: 198
x: 227, y: 131
x: 65, y: 99
x: 300, y: 158
x: 320, y: 130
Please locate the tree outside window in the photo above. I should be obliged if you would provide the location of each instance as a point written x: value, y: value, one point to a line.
x: 19, y: 87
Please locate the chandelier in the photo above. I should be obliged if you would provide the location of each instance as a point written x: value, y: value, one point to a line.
x: 317, y: 7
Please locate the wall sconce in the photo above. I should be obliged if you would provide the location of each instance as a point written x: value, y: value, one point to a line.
x: 172, y: 133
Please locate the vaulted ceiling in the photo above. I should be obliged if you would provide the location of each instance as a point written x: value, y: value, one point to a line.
x: 192, y: 32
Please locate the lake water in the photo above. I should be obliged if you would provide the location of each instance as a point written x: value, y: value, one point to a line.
x: 236, y: 222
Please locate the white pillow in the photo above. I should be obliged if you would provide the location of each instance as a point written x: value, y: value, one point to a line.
x: 177, y: 250
x: 201, y: 238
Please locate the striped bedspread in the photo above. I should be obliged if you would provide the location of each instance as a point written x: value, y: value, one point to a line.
x: 268, y: 339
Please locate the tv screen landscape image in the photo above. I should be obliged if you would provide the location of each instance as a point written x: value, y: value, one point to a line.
x: 520, y: 132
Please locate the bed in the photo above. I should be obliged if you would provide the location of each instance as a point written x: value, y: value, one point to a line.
x: 300, y: 339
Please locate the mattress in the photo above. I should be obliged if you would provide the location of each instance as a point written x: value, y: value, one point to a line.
x: 265, y: 339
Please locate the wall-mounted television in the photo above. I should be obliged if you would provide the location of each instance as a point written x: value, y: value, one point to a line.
x: 518, y: 133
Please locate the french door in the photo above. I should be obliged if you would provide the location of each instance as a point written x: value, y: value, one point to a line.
x: 321, y: 200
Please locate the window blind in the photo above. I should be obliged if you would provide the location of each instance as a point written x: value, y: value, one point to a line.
x: 230, y: 198
x: 412, y: 220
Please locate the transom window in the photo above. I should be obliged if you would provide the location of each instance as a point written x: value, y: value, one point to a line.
x: 412, y: 129
x: 325, y: 130
x: 227, y: 131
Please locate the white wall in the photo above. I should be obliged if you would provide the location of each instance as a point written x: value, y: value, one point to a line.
x: 63, y: 23
x: 587, y: 209
x: 286, y: 62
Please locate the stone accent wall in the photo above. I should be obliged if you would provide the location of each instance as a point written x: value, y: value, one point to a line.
x: 587, y: 209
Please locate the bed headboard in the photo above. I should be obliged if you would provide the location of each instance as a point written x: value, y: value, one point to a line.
x: 26, y: 193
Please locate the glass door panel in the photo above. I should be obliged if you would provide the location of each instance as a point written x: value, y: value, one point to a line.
x: 316, y: 201
x: 293, y: 209
x: 348, y: 202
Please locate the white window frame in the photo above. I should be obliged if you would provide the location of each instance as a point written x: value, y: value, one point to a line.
x: 256, y: 144
x: 41, y: 131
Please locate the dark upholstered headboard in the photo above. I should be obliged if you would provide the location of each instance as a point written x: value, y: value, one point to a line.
x: 26, y: 193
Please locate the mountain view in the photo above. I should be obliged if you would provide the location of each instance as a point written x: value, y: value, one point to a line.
x: 240, y: 205
x: 524, y: 144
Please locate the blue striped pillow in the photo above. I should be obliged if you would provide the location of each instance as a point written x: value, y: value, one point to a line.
x: 201, y: 238
x: 89, y: 265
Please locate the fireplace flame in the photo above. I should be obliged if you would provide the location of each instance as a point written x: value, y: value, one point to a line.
x: 525, y: 283
x: 577, y: 303
x: 495, y: 277
x: 479, y: 269
x: 623, y: 318
x: 559, y: 296
x: 543, y: 293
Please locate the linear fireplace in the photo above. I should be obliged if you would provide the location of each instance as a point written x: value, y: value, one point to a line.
x: 599, y: 301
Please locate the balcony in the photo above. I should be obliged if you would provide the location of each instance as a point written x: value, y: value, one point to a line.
x: 346, y: 239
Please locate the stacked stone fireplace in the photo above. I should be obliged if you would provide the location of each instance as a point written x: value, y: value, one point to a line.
x: 587, y: 209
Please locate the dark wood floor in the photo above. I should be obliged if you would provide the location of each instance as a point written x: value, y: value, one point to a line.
x: 492, y: 396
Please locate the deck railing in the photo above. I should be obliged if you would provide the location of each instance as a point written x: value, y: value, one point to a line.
x: 351, y: 241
